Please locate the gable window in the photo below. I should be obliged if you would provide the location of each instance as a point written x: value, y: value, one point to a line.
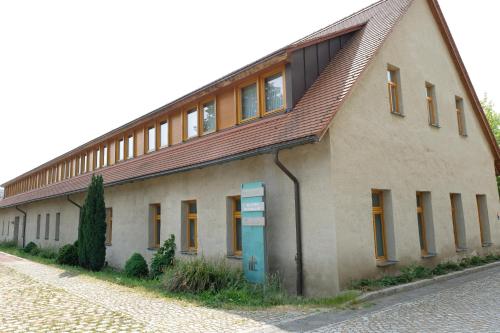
x: 191, y: 119
x: 209, y: 117
x: 130, y: 145
x: 151, y: 139
x: 394, y: 89
x: 249, y: 102
x: 109, y: 225
x: 164, y: 134
x: 236, y: 226
x: 273, y: 91
x: 121, y: 150
x: 431, y: 104
x: 378, y: 224
x: 190, y: 226
x: 155, y: 225
x: 459, y: 105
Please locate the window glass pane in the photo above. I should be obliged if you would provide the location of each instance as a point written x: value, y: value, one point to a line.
x: 158, y: 228
x: 192, y: 233
x: 209, y: 117
x: 158, y: 210
x: 121, y: 152
x: 379, y: 235
x: 389, y: 76
x: 164, y: 134
x: 419, y: 201
x: 130, y: 147
x: 376, y: 199
x: 85, y: 163
x: 420, y: 222
x: 97, y: 158
x: 192, y: 123
x: 238, y: 205
x: 249, y: 102
x: 151, y: 139
x: 192, y: 207
x: 274, y: 92
x: 238, y: 234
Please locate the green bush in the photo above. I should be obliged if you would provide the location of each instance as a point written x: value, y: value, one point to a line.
x: 199, y: 275
x: 68, y: 255
x: 163, y: 258
x: 47, y: 253
x: 31, y: 248
x: 8, y: 244
x: 136, y: 266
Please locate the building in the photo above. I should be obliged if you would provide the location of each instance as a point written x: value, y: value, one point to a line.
x: 374, y: 115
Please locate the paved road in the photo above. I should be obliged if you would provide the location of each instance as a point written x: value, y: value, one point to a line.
x: 39, y: 298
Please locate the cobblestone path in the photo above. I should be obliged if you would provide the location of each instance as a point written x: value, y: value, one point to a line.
x: 40, y: 298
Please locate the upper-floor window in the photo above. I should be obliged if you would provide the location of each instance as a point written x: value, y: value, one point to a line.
x: 191, y: 118
x: 164, y: 134
x: 85, y: 163
x: 97, y: 161
x: 431, y: 104
x: 130, y: 145
x: 105, y: 156
x: 394, y: 88
x: 459, y: 105
x: 209, y: 116
x: 151, y: 139
x: 249, y: 102
x: 273, y: 90
x: 121, y: 150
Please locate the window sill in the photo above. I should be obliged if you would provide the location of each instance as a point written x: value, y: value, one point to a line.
x: 386, y: 263
x: 398, y: 114
x: 234, y: 257
x: 461, y: 249
x: 488, y: 244
x: 108, y: 244
x: 435, y: 125
x: 153, y: 248
x: 189, y: 253
x: 463, y: 135
x: 429, y: 255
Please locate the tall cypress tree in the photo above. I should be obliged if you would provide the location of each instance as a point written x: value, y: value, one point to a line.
x: 92, y: 231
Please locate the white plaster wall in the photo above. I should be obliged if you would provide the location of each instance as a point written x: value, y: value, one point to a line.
x: 374, y: 149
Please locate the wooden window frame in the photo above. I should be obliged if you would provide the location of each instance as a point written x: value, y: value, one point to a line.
x: 185, y: 136
x: 392, y: 84
x: 459, y: 108
x: 379, y: 211
x: 191, y: 216
x: 127, y: 143
x: 160, y: 122
x: 155, y: 219
x: 239, y: 105
x: 97, y: 159
x: 105, y: 156
x: 262, y: 99
x: 235, y: 214
x: 109, y: 226
x: 200, y: 115
x: 431, y: 104
x: 117, y: 149
x: 421, y: 212
x: 146, y: 138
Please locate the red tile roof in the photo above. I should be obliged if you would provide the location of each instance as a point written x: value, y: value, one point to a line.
x: 307, y: 122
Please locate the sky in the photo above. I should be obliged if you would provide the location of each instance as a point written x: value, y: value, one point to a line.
x: 71, y: 71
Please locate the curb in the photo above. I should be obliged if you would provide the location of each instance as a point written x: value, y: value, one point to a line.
x: 422, y: 283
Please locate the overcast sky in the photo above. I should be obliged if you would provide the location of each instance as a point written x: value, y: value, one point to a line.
x: 73, y: 70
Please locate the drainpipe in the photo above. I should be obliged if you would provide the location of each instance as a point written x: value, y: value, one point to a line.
x: 298, y: 228
x: 24, y: 225
x: 79, y: 212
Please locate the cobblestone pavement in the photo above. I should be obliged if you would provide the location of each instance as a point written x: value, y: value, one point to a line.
x: 40, y: 298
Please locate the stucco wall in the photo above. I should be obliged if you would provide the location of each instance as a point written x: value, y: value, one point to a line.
x: 210, y: 187
x: 374, y: 149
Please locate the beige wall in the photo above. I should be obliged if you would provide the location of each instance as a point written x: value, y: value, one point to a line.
x: 374, y: 149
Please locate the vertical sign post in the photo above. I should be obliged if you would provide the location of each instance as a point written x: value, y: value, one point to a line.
x: 253, y: 231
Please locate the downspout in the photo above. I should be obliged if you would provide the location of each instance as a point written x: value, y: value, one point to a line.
x: 24, y: 225
x: 79, y: 212
x: 298, y: 227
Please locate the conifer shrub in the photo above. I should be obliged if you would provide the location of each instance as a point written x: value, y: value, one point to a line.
x: 68, y: 255
x: 31, y: 248
x: 136, y: 266
x: 163, y: 258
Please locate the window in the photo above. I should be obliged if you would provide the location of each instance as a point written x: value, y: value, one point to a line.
x: 38, y: 222
x: 236, y: 226
x: 378, y: 224
x: 273, y: 91
x: 191, y: 221
x: 421, y: 224
x: 394, y: 89
x: 105, y: 156
x: 191, y: 123
x: 151, y: 139
x: 459, y: 104
x: 130, y: 147
x: 121, y: 150
x: 431, y: 104
x: 209, y: 117
x: 79, y: 166
x: 457, y: 216
x: 164, y: 134
x: 47, y: 225
x: 97, y: 162
x: 484, y: 223
x: 155, y: 226
x: 249, y: 102
x: 85, y: 163
x: 109, y: 225
x: 58, y: 224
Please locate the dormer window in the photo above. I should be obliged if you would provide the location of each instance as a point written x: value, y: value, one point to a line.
x: 273, y: 90
x: 191, y: 123
x: 209, y: 117
x: 249, y: 102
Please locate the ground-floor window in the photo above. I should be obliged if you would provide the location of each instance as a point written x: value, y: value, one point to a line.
x: 422, y: 231
x: 457, y: 217
x: 47, y: 226
x: 38, y: 225
x: 190, y: 226
x: 58, y: 225
x: 484, y: 223
x: 109, y: 225
x: 379, y: 224
x: 236, y: 243
x: 155, y: 225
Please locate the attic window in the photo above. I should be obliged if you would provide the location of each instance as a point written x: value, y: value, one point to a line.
x: 394, y: 88
x: 273, y: 90
x: 249, y: 102
x: 459, y: 103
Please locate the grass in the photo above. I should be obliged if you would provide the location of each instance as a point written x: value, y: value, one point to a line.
x: 415, y: 272
x: 236, y: 296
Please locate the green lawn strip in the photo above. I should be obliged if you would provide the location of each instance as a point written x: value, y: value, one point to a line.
x: 245, y: 297
x: 416, y: 272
